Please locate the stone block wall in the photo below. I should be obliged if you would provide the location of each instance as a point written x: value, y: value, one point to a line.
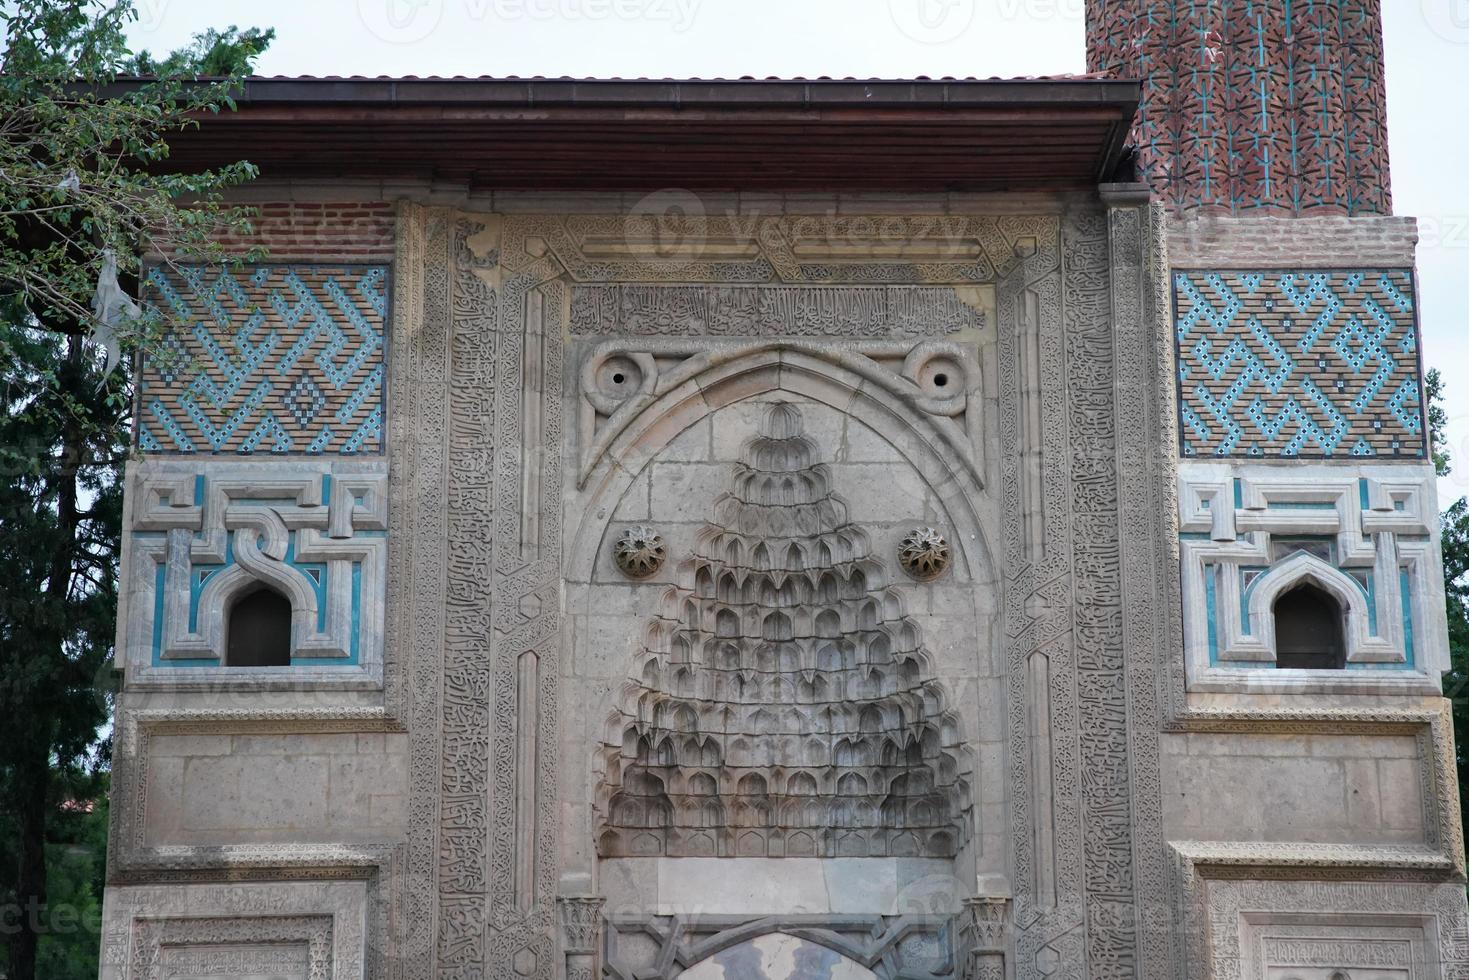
x: 308, y: 788
x: 1311, y: 789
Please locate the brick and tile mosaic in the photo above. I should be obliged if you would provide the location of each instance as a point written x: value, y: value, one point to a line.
x: 1253, y: 105
x: 1282, y: 363
x: 265, y: 359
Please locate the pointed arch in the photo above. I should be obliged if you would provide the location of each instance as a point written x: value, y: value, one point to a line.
x: 923, y: 430
x: 1306, y: 569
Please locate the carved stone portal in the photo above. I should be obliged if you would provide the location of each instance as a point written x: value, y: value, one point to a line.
x: 784, y: 705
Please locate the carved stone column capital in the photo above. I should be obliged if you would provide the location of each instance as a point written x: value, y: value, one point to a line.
x: 987, y: 918
x: 581, y: 923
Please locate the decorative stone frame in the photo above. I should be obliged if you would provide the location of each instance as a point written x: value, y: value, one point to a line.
x: 1082, y: 468
x: 1314, y: 879
x: 875, y: 942
x: 154, y: 939
x: 131, y: 858
x: 1378, y: 519
x: 329, y: 918
x: 1238, y: 915
x: 254, y: 522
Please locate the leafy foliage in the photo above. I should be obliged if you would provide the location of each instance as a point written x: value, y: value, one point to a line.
x: 76, y: 870
x: 86, y: 197
x: 1438, y: 423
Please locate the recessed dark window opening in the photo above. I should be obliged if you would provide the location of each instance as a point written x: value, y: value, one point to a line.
x: 1308, y: 630
x: 259, y: 630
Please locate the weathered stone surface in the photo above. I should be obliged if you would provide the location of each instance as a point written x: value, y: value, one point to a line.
x: 1053, y: 784
x: 277, y: 789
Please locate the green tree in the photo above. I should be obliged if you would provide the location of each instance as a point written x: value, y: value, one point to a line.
x: 76, y: 869
x: 86, y: 194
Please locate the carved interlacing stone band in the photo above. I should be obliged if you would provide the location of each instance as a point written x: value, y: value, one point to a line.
x: 924, y: 554
x: 639, y: 552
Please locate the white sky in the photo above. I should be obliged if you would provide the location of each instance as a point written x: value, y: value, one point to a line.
x: 1427, y: 78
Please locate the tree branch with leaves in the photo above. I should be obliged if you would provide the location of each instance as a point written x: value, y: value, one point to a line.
x: 87, y: 200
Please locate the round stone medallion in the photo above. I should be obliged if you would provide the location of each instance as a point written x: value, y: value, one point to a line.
x: 639, y: 551
x: 923, y: 553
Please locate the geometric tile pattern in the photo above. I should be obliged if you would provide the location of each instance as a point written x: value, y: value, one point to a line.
x: 265, y: 359
x: 1253, y: 106
x: 203, y: 534
x: 1298, y: 364
x: 1250, y: 533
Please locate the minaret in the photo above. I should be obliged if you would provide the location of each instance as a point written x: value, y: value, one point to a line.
x: 1253, y: 106
x: 1304, y: 480
x: 1310, y: 576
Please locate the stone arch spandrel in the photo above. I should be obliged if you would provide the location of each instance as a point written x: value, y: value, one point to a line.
x: 952, y: 471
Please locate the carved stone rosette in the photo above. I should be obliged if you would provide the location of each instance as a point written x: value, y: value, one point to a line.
x: 639, y: 551
x: 924, y: 554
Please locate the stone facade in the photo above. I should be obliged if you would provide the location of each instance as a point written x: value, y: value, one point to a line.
x: 857, y: 588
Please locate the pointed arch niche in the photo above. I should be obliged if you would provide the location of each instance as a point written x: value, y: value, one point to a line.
x: 775, y: 697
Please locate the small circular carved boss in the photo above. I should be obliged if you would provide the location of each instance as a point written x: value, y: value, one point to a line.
x: 639, y: 551
x: 924, y: 553
x: 619, y: 377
